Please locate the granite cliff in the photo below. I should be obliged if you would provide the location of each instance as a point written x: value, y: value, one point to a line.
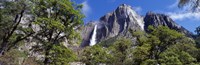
x: 119, y: 23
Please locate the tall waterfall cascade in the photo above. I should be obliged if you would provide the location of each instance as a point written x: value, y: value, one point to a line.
x: 93, y: 39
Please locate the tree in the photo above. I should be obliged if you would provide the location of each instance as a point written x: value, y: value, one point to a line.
x: 141, y: 53
x: 155, y: 49
x: 57, y: 21
x: 185, y: 53
x: 60, y: 55
x: 96, y: 55
x: 11, y: 31
x: 121, y: 49
x: 169, y: 58
x: 52, y: 22
x: 117, y: 52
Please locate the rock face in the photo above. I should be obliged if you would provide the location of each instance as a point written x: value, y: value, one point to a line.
x: 124, y: 18
x: 117, y: 23
x: 155, y: 20
x: 120, y: 21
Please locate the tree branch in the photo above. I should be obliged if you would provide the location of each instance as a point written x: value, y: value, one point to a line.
x: 18, y: 40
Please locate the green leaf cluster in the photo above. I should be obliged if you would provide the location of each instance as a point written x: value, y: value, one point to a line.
x: 166, y: 47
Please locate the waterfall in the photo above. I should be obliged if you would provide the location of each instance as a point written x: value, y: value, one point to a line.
x: 93, y: 39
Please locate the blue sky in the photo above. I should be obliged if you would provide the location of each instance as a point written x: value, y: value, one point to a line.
x: 94, y: 9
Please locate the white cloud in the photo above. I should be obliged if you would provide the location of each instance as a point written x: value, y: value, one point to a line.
x: 185, y: 15
x: 138, y: 9
x: 182, y: 14
x: 86, y: 8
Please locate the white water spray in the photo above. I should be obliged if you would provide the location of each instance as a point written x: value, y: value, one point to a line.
x: 93, y: 39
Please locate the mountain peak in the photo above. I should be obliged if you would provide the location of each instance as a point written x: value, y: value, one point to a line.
x: 125, y: 10
x: 157, y: 19
x: 123, y: 19
x: 124, y: 5
x: 150, y: 13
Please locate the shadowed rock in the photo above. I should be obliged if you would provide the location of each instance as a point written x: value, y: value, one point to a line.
x: 155, y: 20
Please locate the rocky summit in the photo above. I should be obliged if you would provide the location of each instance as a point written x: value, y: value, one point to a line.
x: 122, y: 20
x: 156, y: 19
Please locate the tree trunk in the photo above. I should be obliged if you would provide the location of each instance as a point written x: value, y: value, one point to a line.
x: 3, y: 47
x: 47, y: 59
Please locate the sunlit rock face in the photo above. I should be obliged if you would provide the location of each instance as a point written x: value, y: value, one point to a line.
x: 119, y: 23
x: 122, y: 19
x: 116, y: 23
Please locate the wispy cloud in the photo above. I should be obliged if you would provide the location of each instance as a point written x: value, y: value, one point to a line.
x: 185, y: 15
x: 182, y: 14
x: 138, y: 9
x: 174, y: 5
x: 86, y: 8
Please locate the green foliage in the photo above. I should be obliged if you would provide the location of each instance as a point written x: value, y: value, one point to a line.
x: 149, y: 62
x: 140, y: 35
x: 141, y: 53
x: 117, y: 52
x: 166, y: 37
x: 166, y: 47
x: 57, y: 20
x: 108, y: 42
x: 60, y: 55
x: 56, y: 17
x: 121, y: 49
x: 96, y: 55
x: 169, y: 58
x: 12, y: 32
x: 180, y: 53
x: 121, y: 45
x: 160, y: 46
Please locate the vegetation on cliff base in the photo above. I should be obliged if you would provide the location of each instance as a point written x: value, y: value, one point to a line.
x: 160, y: 46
